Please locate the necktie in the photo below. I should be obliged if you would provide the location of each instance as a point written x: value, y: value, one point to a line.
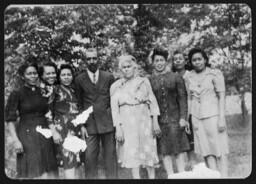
x: 94, y: 78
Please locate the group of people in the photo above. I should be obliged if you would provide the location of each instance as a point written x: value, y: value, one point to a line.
x: 138, y: 121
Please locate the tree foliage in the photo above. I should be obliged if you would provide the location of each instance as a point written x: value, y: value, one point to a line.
x: 57, y: 33
x: 61, y: 33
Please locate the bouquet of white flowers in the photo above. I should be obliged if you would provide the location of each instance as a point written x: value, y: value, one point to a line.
x: 47, y: 133
x: 74, y: 144
x: 82, y: 118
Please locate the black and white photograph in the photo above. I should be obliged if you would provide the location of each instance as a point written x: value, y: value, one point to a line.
x: 128, y: 91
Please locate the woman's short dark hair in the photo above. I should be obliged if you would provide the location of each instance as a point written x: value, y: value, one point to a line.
x: 22, y: 69
x: 41, y: 69
x: 161, y: 52
x: 62, y: 67
x: 198, y: 50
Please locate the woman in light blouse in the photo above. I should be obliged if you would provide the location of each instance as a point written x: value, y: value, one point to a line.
x: 206, y: 91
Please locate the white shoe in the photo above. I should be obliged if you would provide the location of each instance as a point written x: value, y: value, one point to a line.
x: 170, y: 176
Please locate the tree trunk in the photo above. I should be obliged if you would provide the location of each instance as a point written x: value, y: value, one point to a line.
x: 244, y: 111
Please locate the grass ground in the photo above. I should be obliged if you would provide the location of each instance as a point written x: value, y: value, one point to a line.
x: 240, y: 146
x: 239, y: 158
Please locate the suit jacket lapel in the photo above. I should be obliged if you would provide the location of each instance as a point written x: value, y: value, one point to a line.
x: 87, y: 78
x: 98, y: 86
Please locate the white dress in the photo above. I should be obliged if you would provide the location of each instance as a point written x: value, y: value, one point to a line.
x: 132, y: 104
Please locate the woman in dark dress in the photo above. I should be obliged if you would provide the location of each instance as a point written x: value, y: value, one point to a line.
x: 170, y: 91
x: 48, y: 81
x: 35, y: 154
x: 182, y: 67
x: 64, y: 110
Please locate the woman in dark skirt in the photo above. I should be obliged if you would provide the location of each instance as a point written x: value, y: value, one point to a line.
x: 35, y: 153
x: 170, y: 91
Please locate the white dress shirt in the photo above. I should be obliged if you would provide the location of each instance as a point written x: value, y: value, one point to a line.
x: 91, y: 76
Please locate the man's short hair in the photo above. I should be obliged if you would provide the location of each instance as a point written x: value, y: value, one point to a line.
x: 91, y: 50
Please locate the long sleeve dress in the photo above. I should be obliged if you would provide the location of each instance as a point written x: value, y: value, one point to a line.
x: 191, y: 135
x: 30, y: 107
x: 64, y: 108
x: 132, y: 104
x: 170, y: 91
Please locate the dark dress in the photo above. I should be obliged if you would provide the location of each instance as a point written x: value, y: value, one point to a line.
x: 38, y: 156
x: 65, y: 109
x: 191, y: 135
x: 170, y: 92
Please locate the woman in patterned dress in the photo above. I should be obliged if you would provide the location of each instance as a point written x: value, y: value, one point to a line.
x: 64, y: 110
x: 35, y: 153
x: 134, y: 111
x: 170, y: 91
x: 206, y: 89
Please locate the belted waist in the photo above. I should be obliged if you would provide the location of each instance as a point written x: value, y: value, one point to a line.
x: 141, y: 103
x: 32, y: 115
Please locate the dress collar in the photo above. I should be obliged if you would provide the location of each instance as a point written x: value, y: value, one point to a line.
x: 32, y: 88
x: 207, y: 71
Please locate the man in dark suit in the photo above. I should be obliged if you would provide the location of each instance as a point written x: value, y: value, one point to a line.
x: 92, y: 88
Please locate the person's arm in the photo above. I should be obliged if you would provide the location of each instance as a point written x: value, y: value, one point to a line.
x: 182, y: 100
x: 17, y: 144
x: 219, y: 86
x: 222, y: 121
x: 189, y: 99
x: 79, y: 94
x: 154, y: 109
x: 117, y: 120
x: 55, y: 134
x: 186, y: 80
x: 111, y: 81
x: 11, y: 116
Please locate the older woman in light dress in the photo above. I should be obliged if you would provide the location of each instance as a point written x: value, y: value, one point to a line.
x: 134, y: 112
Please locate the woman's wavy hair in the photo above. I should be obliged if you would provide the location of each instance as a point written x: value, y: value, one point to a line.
x: 22, y: 69
x: 161, y: 52
x: 49, y: 63
x: 198, y: 50
x: 62, y: 67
